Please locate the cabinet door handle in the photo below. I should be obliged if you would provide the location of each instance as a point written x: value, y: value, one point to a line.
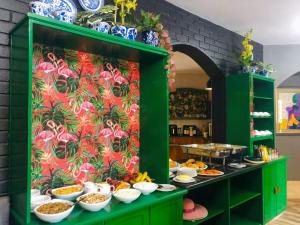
x: 275, y: 190
x: 278, y: 189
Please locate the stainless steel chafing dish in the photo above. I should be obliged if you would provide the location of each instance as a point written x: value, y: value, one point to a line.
x: 213, y: 150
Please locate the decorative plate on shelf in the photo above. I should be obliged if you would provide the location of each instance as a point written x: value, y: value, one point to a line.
x: 166, y: 187
x: 62, y: 5
x: 91, y: 5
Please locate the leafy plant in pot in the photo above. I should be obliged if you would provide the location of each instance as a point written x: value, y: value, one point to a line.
x: 265, y: 69
x: 148, y: 26
x: 101, y: 20
x: 124, y: 30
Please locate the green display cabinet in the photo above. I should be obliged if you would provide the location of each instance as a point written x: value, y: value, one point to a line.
x: 244, y: 93
x: 274, y: 188
x: 153, y: 101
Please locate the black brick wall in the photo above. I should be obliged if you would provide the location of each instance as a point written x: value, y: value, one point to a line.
x: 220, y: 44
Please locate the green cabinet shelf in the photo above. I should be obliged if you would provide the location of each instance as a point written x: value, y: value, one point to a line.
x: 267, y: 137
x: 212, y: 212
x: 241, y: 196
x: 239, y: 220
x: 244, y: 93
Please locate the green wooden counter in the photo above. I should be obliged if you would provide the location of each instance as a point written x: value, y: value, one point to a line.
x: 163, y: 208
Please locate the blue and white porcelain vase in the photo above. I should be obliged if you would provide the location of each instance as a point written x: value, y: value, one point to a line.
x: 102, y: 27
x: 64, y: 16
x: 129, y: 33
x: 150, y: 37
x: 40, y: 8
x: 264, y: 73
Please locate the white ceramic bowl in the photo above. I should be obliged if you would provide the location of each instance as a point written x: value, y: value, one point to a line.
x: 192, y: 172
x: 69, y: 197
x: 127, y: 195
x: 145, y: 187
x: 35, y: 192
x: 95, y: 206
x: 54, y: 218
x: 38, y: 200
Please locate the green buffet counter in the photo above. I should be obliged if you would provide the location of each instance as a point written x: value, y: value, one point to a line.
x: 157, y: 208
x: 250, y: 196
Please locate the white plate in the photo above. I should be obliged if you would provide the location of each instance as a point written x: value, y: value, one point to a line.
x: 237, y: 165
x: 91, y: 5
x: 171, y: 174
x: 212, y: 175
x: 184, y: 182
x: 166, y: 187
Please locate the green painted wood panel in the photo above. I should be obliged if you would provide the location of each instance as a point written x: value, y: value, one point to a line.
x: 274, y: 188
x: 269, y: 197
x: 20, y: 129
x: 139, y: 217
x: 167, y: 213
x: 282, y: 186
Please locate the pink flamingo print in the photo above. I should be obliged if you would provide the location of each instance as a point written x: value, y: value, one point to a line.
x: 47, y: 67
x: 133, y: 108
x: 118, y: 75
x: 84, y: 168
x: 65, y: 136
x: 64, y: 71
x: 133, y: 161
x: 86, y: 106
x: 118, y: 133
x: 47, y: 135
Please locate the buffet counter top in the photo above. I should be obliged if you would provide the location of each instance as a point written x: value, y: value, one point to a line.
x: 115, y: 209
x: 228, y: 172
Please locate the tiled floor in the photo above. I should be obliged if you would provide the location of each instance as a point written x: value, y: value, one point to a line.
x: 292, y: 215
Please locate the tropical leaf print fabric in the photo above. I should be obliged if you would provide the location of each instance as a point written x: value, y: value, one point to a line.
x: 85, y: 117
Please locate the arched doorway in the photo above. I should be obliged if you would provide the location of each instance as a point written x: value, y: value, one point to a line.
x: 218, y: 89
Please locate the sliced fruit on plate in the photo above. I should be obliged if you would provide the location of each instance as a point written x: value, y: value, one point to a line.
x: 211, y: 172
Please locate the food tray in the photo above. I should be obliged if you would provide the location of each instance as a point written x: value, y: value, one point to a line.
x: 213, y: 150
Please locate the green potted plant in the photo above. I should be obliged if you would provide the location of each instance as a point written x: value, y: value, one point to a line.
x: 124, y: 30
x: 246, y: 57
x: 100, y: 21
x: 265, y: 69
x: 147, y: 25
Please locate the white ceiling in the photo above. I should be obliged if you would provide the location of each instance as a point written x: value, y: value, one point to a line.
x: 275, y: 22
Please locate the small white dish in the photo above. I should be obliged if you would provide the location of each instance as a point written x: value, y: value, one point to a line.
x: 166, y: 187
x: 54, y: 218
x: 35, y: 192
x: 145, y: 187
x: 237, y: 165
x: 171, y: 174
x: 127, y: 195
x: 93, y: 207
x: 69, y: 197
x: 177, y: 179
x: 38, y: 200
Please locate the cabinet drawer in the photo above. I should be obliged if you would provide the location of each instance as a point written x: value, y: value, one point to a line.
x: 140, y: 217
x: 167, y: 213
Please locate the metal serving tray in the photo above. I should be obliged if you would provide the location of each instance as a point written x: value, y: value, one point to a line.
x: 213, y: 150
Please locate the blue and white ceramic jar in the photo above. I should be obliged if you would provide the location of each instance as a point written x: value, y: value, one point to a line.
x: 102, y: 27
x: 40, y: 8
x: 264, y: 73
x: 129, y: 33
x: 150, y: 37
x: 64, y: 16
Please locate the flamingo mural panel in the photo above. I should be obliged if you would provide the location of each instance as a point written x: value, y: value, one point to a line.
x: 85, y: 111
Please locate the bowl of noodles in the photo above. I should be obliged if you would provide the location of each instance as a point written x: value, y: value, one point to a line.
x: 54, y: 211
x: 68, y: 193
x: 94, y: 201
